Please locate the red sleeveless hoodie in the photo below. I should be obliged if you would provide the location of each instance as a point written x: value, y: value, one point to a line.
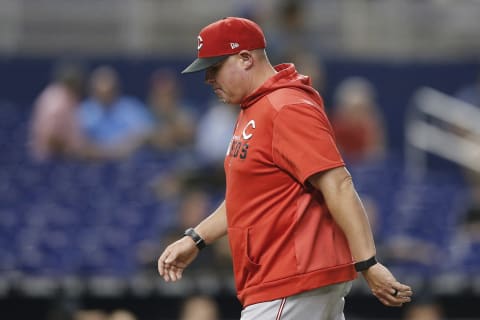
x: 282, y: 237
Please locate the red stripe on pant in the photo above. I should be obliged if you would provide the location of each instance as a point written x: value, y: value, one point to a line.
x: 280, y: 310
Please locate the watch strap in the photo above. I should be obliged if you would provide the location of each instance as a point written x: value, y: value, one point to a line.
x: 364, y: 265
x: 199, y: 242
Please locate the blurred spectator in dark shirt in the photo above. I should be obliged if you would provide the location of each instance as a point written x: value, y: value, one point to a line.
x: 189, y: 209
x: 175, y: 120
x: 289, y: 30
x: 55, y: 130
x: 192, y: 206
x: 471, y: 221
x: 214, y: 131
x: 195, y: 205
x: 205, y: 168
x: 115, y: 123
x: 465, y: 246
x: 357, y: 121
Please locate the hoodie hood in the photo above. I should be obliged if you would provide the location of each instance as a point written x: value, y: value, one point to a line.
x: 286, y: 77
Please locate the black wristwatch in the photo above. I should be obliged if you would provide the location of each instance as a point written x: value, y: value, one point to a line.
x: 199, y: 242
x: 365, y: 265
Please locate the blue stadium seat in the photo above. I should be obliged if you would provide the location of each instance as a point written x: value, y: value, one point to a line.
x: 74, y: 218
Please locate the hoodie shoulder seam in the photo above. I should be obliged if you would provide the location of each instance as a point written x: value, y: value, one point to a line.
x: 280, y: 98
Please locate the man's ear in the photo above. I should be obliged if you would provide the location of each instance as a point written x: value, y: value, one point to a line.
x: 246, y: 59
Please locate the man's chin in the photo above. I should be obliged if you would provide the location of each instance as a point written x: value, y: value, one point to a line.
x: 222, y: 99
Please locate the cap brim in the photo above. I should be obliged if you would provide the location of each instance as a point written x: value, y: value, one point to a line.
x: 203, y: 63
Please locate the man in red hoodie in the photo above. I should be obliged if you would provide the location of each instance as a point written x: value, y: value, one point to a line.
x: 297, y: 229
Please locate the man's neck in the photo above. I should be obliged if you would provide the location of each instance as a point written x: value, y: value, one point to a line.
x: 262, y: 74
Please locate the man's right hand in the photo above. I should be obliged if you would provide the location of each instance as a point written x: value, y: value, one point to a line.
x: 176, y: 257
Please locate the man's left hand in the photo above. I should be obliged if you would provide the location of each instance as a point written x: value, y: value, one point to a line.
x: 385, y: 287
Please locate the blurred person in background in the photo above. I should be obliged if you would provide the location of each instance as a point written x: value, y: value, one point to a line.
x: 192, y: 206
x: 116, y: 124
x: 469, y: 223
x: 121, y: 314
x: 307, y: 62
x: 424, y: 311
x: 90, y: 314
x: 465, y: 245
x: 289, y: 30
x: 357, y: 121
x: 214, y: 131
x: 425, y: 307
x: 212, y: 138
x: 286, y: 184
x: 55, y: 131
x: 174, y: 119
x: 205, y: 168
x: 199, y: 307
x: 470, y: 94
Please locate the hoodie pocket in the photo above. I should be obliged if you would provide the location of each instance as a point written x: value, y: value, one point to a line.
x: 245, y: 269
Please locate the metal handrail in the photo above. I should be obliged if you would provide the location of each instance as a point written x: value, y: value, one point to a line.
x: 423, y: 136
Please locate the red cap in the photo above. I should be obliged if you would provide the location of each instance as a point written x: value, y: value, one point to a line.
x: 223, y: 38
